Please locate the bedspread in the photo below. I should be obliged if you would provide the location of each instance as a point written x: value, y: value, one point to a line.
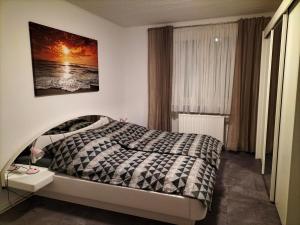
x: 137, y: 137
x: 90, y: 155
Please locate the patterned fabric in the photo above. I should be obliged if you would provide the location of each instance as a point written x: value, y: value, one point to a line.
x: 136, y: 137
x: 91, y: 156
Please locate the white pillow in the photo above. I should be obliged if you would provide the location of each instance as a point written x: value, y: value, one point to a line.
x: 103, y: 121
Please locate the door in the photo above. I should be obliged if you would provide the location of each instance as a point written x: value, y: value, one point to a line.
x: 278, y: 107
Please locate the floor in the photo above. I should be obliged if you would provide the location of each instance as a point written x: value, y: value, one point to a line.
x: 240, y: 198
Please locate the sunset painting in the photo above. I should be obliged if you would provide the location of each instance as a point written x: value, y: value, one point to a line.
x: 62, y: 62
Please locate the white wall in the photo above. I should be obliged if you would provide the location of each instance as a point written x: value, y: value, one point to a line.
x: 22, y: 115
x: 135, y: 72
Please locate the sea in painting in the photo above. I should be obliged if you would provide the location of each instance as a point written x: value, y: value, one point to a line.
x: 51, y: 77
x: 62, y: 62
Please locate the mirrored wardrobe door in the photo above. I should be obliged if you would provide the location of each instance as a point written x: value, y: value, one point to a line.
x: 284, y: 25
x: 266, y: 102
x: 273, y: 104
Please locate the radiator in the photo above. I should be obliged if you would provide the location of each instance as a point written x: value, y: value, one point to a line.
x: 202, y: 124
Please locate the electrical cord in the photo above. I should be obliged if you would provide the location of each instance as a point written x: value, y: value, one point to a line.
x: 8, y: 189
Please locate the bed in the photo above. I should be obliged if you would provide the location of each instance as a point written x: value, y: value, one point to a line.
x: 128, y: 168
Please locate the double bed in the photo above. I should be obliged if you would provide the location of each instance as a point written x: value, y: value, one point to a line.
x: 128, y: 168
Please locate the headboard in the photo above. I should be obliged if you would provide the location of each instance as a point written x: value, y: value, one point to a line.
x: 47, y: 139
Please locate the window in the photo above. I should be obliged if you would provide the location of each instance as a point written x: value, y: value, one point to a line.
x: 203, y: 68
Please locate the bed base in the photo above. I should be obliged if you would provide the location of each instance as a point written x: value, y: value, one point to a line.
x: 152, y: 205
x: 119, y: 209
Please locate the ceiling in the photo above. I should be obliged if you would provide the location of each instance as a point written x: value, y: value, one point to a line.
x: 146, y: 12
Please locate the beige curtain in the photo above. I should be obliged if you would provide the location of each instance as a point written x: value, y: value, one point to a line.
x: 160, y: 48
x: 243, y: 117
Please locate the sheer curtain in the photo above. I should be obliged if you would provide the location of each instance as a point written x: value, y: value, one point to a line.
x: 203, y: 68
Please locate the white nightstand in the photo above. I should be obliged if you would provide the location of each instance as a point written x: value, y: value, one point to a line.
x: 28, y: 182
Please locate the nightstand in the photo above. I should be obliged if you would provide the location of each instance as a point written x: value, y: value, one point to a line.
x: 28, y: 182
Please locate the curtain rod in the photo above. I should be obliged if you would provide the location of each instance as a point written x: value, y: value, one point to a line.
x: 206, y: 24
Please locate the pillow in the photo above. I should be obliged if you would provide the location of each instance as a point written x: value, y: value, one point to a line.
x: 101, y: 122
x: 80, y: 125
x: 80, y: 148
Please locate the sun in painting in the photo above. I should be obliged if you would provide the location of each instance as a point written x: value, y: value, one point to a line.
x: 66, y: 68
x: 65, y: 50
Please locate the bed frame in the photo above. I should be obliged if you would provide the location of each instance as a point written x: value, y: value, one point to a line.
x: 148, y: 204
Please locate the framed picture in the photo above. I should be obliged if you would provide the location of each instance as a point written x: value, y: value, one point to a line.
x: 62, y: 62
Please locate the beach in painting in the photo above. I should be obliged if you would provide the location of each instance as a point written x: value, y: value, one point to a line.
x: 62, y: 62
x: 61, y: 78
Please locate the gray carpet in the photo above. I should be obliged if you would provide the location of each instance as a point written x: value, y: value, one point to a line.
x: 240, y: 198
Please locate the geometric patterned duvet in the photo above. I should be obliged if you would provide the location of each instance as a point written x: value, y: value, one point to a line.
x: 96, y: 156
x: 132, y: 136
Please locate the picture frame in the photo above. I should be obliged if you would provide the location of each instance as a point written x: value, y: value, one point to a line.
x: 62, y: 62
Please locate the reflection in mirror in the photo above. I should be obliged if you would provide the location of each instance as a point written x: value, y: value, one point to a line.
x: 272, y: 104
x: 26, y: 157
x: 74, y: 124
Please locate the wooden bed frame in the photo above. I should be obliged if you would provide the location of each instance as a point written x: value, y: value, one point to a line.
x: 148, y: 204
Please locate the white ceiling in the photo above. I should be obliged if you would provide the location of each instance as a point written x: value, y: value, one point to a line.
x: 146, y: 12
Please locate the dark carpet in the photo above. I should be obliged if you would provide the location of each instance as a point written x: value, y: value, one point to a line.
x: 240, y: 198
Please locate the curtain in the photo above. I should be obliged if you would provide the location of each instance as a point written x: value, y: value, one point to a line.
x: 203, y: 68
x: 243, y: 116
x: 160, y: 49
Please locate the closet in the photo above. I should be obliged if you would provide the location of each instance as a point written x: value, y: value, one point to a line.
x: 274, y: 75
x: 278, y: 124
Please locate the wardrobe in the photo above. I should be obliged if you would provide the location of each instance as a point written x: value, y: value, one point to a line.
x: 278, y: 124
